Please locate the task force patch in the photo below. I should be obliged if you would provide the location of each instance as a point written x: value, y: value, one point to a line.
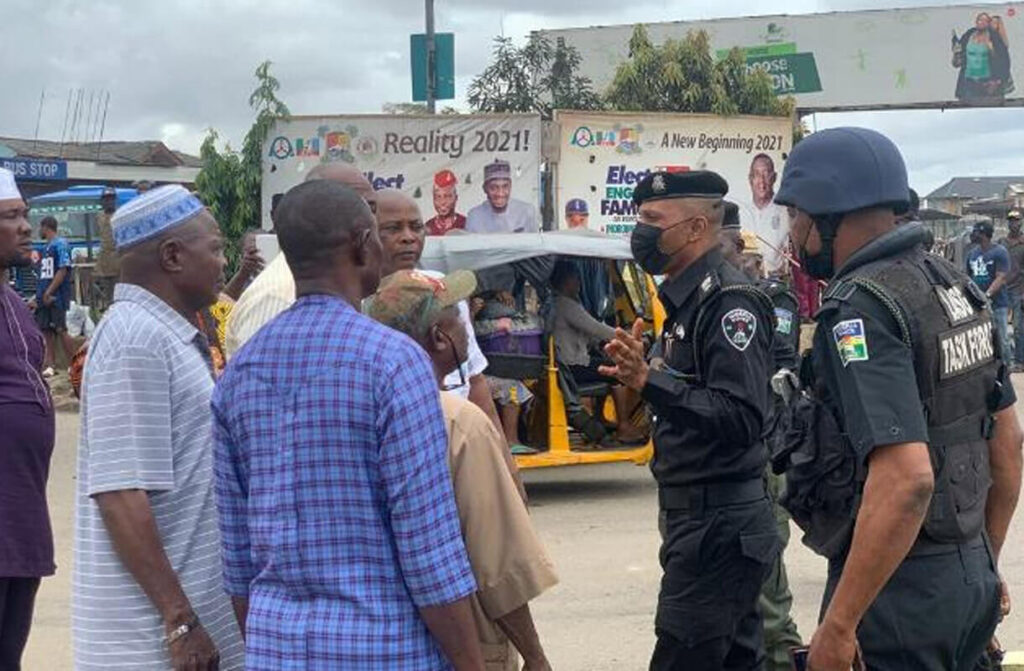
x: 783, y: 321
x: 851, y: 341
x: 964, y: 349
x: 956, y: 305
x: 739, y: 326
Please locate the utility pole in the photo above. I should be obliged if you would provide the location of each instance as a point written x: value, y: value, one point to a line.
x: 431, y: 60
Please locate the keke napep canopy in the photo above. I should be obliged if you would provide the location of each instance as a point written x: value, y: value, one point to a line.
x: 479, y: 251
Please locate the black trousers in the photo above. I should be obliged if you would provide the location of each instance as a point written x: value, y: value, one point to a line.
x: 17, y: 600
x: 715, y: 561
x: 937, y: 613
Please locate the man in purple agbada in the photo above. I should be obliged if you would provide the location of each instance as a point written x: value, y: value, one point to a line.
x: 26, y: 441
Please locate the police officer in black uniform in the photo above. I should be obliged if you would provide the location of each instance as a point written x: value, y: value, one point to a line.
x: 709, y: 394
x: 903, y: 458
x: 776, y: 600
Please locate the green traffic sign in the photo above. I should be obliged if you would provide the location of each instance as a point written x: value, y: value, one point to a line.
x: 444, y: 66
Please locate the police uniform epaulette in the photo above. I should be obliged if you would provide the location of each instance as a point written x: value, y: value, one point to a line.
x: 709, y: 286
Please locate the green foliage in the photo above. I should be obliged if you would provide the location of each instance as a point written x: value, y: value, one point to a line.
x: 537, y: 77
x: 229, y: 182
x: 414, y: 108
x: 683, y: 76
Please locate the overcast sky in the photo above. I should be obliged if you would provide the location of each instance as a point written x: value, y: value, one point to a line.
x: 175, y: 69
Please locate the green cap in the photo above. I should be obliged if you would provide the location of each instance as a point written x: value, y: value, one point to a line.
x: 410, y: 300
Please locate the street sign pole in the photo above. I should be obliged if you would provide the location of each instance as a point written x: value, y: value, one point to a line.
x: 431, y: 60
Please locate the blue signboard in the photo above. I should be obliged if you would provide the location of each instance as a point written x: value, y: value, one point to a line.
x: 35, y: 169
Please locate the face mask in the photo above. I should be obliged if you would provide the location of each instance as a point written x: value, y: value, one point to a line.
x: 644, y: 244
x: 820, y: 266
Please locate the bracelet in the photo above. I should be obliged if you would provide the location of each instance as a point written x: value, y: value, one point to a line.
x: 182, y: 630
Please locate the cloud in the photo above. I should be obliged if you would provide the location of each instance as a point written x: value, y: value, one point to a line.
x: 174, y: 70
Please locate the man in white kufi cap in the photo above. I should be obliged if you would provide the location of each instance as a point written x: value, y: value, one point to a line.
x: 148, y: 592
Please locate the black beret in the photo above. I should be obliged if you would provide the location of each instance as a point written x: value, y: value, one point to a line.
x: 692, y: 184
x: 731, y: 218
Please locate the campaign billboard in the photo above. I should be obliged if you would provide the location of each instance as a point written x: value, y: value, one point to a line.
x: 958, y: 55
x: 603, y: 156
x: 440, y: 160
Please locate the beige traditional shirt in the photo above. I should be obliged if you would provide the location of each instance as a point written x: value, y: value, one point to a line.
x: 508, y: 559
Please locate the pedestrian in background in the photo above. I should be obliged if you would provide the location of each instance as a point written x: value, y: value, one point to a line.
x: 272, y: 290
x: 509, y: 562
x: 1014, y: 244
x: 742, y: 250
x: 26, y: 439
x: 53, y: 294
x: 341, y: 538
x: 108, y: 267
x: 148, y: 592
x: 989, y: 266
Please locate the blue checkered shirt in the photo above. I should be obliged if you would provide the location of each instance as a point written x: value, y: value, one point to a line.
x: 335, y: 499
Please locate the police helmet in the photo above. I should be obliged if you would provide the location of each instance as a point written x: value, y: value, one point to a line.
x: 842, y: 170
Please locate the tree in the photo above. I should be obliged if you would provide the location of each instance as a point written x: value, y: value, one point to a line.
x: 537, y: 77
x: 683, y: 76
x: 229, y: 181
x: 414, y: 108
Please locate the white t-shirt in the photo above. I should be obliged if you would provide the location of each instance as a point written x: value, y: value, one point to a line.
x: 771, y: 225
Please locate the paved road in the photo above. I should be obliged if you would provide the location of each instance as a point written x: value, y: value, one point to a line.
x: 599, y: 523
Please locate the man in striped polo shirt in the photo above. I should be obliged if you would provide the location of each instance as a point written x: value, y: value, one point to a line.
x: 148, y: 592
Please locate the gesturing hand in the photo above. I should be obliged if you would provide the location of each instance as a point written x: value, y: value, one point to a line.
x: 252, y: 262
x: 627, y: 351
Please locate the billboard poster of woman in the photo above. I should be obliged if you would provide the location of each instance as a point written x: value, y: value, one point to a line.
x: 982, y: 56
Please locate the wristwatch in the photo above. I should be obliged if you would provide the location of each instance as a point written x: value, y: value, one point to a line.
x: 182, y: 630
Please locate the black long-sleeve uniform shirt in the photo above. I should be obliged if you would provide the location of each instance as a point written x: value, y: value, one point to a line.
x: 709, y: 428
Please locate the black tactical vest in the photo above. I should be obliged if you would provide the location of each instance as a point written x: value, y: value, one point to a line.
x: 946, y: 321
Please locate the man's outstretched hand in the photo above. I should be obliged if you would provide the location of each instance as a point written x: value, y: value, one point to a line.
x: 627, y: 351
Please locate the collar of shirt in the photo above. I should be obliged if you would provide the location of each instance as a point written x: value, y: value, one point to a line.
x: 323, y: 299
x: 176, y: 324
x: 895, y: 241
x: 674, y: 293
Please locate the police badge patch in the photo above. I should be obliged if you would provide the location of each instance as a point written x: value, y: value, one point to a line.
x: 783, y: 321
x: 739, y: 327
x: 658, y: 184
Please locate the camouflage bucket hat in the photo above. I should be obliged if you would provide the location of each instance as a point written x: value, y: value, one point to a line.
x: 410, y: 300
